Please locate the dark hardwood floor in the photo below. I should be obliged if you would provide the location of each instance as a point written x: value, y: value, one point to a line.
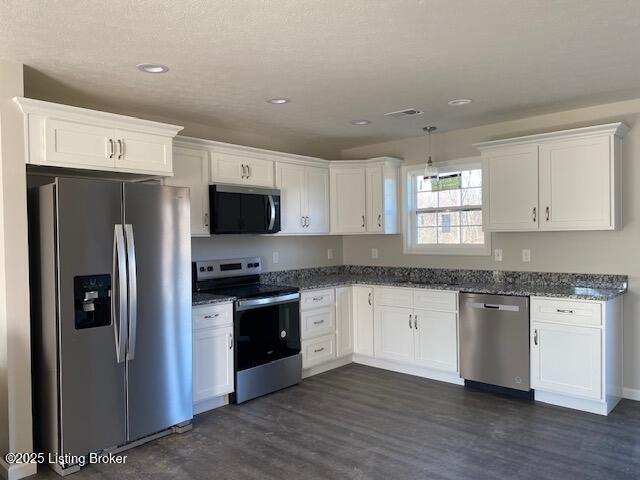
x: 360, y: 422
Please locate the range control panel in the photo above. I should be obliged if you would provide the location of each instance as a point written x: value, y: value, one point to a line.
x: 235, y: 267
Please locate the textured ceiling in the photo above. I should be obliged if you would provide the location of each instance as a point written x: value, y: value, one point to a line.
x: 337, y: 59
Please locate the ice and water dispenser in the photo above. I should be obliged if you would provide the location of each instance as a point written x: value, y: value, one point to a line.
x: 92, y: 299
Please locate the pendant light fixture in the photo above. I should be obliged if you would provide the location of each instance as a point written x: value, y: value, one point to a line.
x: 430, y: 170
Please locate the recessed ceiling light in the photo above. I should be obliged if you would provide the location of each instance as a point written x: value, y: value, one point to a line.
x: 278, y: 101
x: 360, y: 122
x: 458, y: 102
x: 152, y: 68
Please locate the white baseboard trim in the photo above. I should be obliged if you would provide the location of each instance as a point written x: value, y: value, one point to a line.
x: 631, y: 394
x: 423, y: 372
x: 17, y: 471
x: 585, y: 405
x: 210, y: 404
x: 325, y: 367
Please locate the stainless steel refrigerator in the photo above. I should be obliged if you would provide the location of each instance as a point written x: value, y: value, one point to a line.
x: 111, y: 291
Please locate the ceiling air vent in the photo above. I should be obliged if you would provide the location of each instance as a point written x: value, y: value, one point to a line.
x: 407, y: 112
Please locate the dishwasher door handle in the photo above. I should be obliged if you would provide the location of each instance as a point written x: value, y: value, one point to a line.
x: 491, y: 306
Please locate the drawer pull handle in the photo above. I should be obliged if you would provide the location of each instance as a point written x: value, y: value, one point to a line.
x: 563, y: 310
x: 317, y: 299
x: 318, y: 350
x: 215, y: 315
x: 319, y: 322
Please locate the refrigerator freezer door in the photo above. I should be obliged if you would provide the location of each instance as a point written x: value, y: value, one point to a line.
x: 92, y: 382
x: 159, y: 377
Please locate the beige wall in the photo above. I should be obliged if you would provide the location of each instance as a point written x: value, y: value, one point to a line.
x: 15, y: 353
x: 294, y: 252
x: 589, y: 252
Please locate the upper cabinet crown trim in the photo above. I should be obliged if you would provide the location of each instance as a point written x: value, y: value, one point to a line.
x: 366, y: 162
x: 114, y: 120
x: 619, y: 129
x: 190, y: 142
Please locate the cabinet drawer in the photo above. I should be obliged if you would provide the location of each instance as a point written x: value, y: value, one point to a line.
x: 208, y: 316
x: 318, y: 322
x: 317, y: 299
x: 393, y: 296
x: 435, y: 300
x: 318, y: 350
x: 566, y: 311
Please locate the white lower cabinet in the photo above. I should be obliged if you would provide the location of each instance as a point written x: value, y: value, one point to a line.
x: 212, y: 354
x: 363, y: 320
x: 344, y: 321
x: 394, y: 333
x: 318, y: 350
x: 436, y: 339
x: 576, y: 353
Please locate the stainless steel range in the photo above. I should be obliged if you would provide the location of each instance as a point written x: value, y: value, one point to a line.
x: 266, y: 325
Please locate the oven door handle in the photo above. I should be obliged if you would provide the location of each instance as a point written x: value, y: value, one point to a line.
x: 253, y: 303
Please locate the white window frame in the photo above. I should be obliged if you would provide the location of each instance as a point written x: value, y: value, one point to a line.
x: 409, y: 212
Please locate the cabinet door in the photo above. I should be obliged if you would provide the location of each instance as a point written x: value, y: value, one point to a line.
x: 576, y: 184
x: 363, y: 320
x: 317, y: 199
x: 78, y: 145
x: 394, y: 334
x: 143, y: 152
x: 290, y: 179
x: 241, y: 169
x: 436, y: 339
x: 375, y: 199
x: 566, y: 359
x: 344, y: 320
x: 191, y: 169
x: 212, y: 363
x: 512, y: 182
x: 348, y: 200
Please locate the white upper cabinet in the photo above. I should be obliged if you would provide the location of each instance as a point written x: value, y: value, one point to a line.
x: 576, y: 184
x: 511, y: 175
x: 568, y: 180
x: 348, y: 200
x: 304, y: 193
x: 242, y: 168
x: 72, y: 137
x: 191, y: 169
x: 364, y: 196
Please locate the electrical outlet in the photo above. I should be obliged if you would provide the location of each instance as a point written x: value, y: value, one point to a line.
x: 497, y: 254
x: 374, y: 253
x: 526, y: 255
x: 330, y: 253
x: 276, y: 257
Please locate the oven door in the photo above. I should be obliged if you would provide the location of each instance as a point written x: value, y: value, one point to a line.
x: 243, y: 209
x: 266, y: 329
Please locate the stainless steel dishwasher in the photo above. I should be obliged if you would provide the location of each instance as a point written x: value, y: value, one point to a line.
x: 494, y: 340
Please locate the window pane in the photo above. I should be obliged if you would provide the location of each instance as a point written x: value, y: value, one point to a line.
x: 427, y: 199
x: 422, y: 184
x: 450, y: 235
x: 471, y: 178
x: 427, y: 220
x: 472, y: 235
x: 449, y: 198
x: 427, y: 235
x: 448, y: 219
x: 472, y: 217
x: 472, y: 196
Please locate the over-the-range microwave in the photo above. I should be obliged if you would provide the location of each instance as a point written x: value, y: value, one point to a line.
x: 235, y: 209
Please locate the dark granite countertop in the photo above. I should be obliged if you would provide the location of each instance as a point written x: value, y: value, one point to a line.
x: 200, y: 298
x: 560, y: 291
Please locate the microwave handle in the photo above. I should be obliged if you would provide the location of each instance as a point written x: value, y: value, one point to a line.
x: 272, y: 213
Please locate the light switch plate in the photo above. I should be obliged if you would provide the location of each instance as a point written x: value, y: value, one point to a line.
x: 374, y: 253
x: 526, y: 255
x: 497, y: 254
x: 276, y: 257
x: 330, y: 253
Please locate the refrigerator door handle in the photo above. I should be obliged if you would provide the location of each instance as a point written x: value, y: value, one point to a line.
x: 132, y: 290
x: 119, y: 305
